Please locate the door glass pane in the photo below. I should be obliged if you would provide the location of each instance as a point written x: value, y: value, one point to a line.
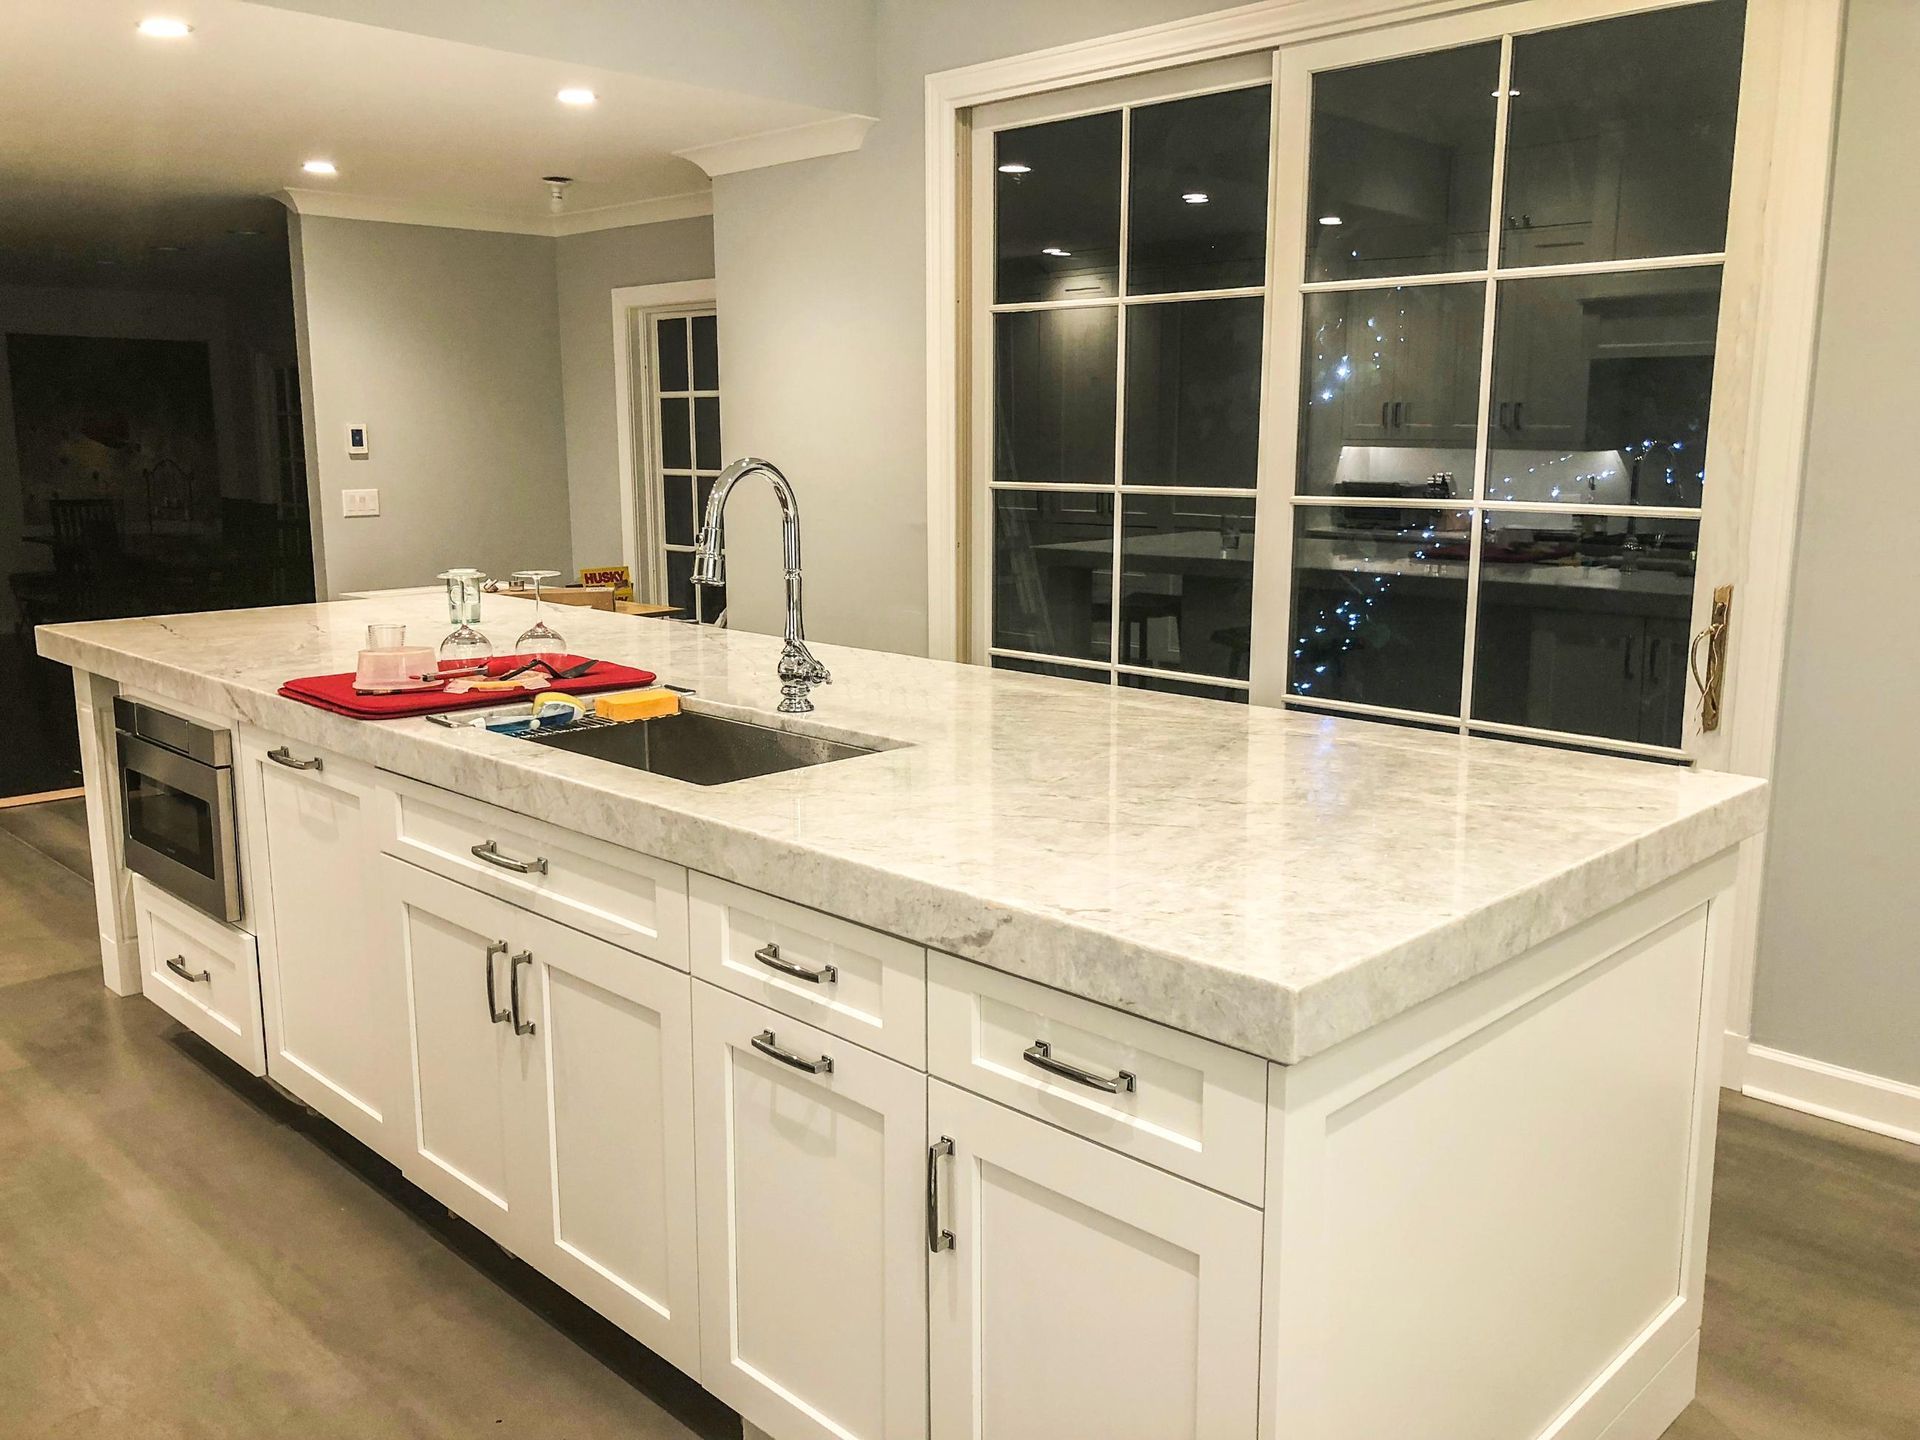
x: 1197, y: 193
x: 680, y: 580
x: 1583, y: 624
x: 672, y: 347
x: 706, y: 353
x: 1054, y: 382
x: 1390, y: 386
x: 1058, y: 672
x: 1620, y: 141
x: 1057, y: 210
x: 1601, y: 385
x: 676, y: 446
x: 1168, y: 686
x: 1193, y: 393
x: 1380, y: 606
x: 1186, y: 584
x: 1400, y: 169
x: 706, y: 433
x: 678, y: 493
x: 1053, y: 572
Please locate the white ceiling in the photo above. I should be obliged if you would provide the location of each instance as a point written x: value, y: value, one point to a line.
x: 113, y: 144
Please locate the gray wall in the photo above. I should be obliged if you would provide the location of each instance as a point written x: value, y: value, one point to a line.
x: 446, y: 345
x: 822, y: 284
x: 1839, y: 976
x: 588, y: 268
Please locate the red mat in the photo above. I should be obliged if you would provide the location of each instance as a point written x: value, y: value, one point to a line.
x: 336, y: 693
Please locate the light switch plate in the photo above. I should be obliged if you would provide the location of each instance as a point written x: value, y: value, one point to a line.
x: 357, y: 441
x: 355, y: 504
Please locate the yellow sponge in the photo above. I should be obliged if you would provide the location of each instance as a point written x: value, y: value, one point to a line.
x: 636, y: 704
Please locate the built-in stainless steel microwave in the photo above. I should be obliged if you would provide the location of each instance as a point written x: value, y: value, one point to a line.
x: 176, y: 803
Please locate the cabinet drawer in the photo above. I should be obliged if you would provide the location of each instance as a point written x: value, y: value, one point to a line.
x: 1190, y: 1106
x: 628, y: 899
x: 202, y: 973
x: 870, y: 988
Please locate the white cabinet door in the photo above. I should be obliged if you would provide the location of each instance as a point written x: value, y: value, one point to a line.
x: 812, y: 1214
x: 610, y: 1204
x: 331, y: 985
x: 470, y: 1070
x: 1084, y: 1293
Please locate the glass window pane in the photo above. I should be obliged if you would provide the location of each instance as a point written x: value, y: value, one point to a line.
x: 1057, y: 209
x: 1053, y: 572
x: 1186, y: 584
x: 1390, y: 387
x: 678, y: 494
x: 706, y: 353
x: 1600, y: 388
x: 1169, y: 686
x: 1054, y: 383
x: 1620, y: 138
x: 1197, y: 200
x: 680, y: 580
x: 1057, y: 672
x: 1380, y: 606
x: 706, y: 434
x: 676, y: 445
x: 1193, y: 393
x: 703, y: 491
x: 1583, y: 624
x: 712, y: 600
x: 1400, y: 170
x: 671, y: 337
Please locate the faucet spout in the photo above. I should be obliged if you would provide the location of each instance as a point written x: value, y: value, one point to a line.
x: 799, y: 672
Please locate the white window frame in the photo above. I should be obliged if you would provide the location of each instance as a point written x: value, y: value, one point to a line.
x: 1776, y: 247
x: 637, y: 443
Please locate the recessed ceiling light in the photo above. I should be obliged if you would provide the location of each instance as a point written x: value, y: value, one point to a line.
x: 576, y: 95
x: 1331, y: 220
x: 1196, y: 197
x: 1014, y: 167
x: 164, y: 27
x: 1056, y: 251
x: 320, y: 167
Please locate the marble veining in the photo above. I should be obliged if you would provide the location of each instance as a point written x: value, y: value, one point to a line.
x: 1275, y: 881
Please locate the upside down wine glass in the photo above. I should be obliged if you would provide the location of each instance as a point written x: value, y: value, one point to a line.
x: 538, y: 639
x: 465, y: 648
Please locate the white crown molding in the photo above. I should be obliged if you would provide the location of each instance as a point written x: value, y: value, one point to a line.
x: 505, y: 220
x: 834, y: 136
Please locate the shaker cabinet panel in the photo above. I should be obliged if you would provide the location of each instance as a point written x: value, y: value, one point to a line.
x: 1083, y: 1293
x: 812, y: 1251
x: 334, y: 995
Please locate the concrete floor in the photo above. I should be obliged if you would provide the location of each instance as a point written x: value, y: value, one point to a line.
x: 182, y: 1254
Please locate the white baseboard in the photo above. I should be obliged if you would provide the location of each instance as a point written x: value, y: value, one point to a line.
x: 1867, y: 1102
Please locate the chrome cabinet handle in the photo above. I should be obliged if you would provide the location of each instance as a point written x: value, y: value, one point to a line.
x: 520, y: 1027
x: 498, y: 947
x: 769, y: 955
x: 489, y: 851
x: 1040, y: 1054
x: 937, y: 1239
x: 283, y: 756
x: 178, y: 964
x: 764, y: 1043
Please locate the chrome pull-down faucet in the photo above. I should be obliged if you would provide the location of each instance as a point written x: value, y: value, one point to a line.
x: 799, y: 671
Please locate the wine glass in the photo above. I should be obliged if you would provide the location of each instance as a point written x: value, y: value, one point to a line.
x: 539, y: 638
x: 465, y: 648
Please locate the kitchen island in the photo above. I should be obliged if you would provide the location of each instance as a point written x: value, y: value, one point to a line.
x: 1081, y: 1061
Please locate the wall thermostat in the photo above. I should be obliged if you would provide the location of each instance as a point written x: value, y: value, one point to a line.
x: 356, y: 440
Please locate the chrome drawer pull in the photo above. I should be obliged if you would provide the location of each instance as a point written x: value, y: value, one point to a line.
x: 498, y: 947
x: 489, y: 851
x: 1040, y: 1053
x: 284, y: 756
x: 520, y: 1027
x: 178, y: 964
x: 764, y: 1043
x: 769, y: 955
x: 937, y: 1239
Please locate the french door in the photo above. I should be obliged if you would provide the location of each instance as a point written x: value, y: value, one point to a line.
x: 1491, y: 254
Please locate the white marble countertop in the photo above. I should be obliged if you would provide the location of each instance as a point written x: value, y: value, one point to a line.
x: 1275, y: 881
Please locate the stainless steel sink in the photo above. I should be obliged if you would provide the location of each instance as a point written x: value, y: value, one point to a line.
x: 699, y: 748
